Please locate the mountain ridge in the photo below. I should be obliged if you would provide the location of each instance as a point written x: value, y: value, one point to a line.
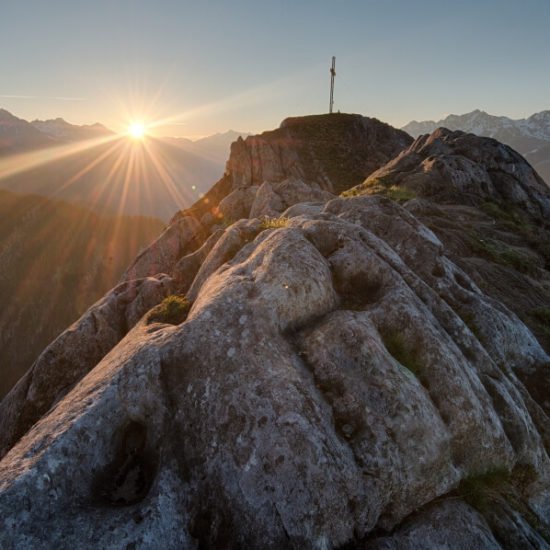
x: 304, y: 359
x: 530, y: 136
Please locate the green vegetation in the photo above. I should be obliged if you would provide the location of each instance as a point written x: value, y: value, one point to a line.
x: 508, y: 216
x: 400, y: 194
x: 380, y: 186
x: 502, y: 253
x: 274, y: 223
x: 396, y: 346
x: 514, y: 220
x: 488, y: 491
x: 172, y: 310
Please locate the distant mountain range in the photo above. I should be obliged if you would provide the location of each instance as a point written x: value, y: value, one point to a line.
x: 156, y: 178
x: 61, y: 130
x: 214, y: 147
x: 529, y: 136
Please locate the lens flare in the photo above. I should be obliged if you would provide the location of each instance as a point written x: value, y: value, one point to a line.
x: 136, y: 130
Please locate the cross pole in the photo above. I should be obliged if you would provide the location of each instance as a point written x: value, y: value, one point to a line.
x: 332, y: 75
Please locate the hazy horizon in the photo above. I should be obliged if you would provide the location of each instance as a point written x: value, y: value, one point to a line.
x: 203, y: 69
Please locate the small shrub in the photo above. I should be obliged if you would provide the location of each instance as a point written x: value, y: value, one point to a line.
x: 172, y: 310
x: 274, y: 223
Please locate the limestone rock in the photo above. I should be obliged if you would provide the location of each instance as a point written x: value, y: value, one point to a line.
x: 238, y: 203
x: 449, y: 524
x: 181, y: 236
x: 454, y: 167
x: 490, y: 210
x: 75, y: 352
x: 325, y: 386
x: 272, y: 199
x: 336, y: 151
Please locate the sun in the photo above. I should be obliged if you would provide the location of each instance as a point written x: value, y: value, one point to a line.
x: 136, y: 130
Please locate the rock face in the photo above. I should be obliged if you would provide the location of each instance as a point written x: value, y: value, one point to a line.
x: 529, y: 136
x: 338, y: 380
x: 312, y: 154
x: 459, y: 168
x: 489, y: 208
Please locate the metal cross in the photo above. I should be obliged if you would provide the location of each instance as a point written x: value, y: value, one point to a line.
x: 332, y: 75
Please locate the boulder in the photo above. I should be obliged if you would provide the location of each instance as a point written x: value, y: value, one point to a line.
x: 272, y: 199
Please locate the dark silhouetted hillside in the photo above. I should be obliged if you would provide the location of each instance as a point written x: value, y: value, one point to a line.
x: 56, y: 259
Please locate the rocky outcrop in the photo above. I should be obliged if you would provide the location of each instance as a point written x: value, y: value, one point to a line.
x: 325, y: 152
x: 75, y: 352
x: 489, y: 208
x: 334, y: 151
x: 184, y: 235
x: 529, y: 136
x: 458, y: 168
x: 339, y: 379
x: 324, y: 386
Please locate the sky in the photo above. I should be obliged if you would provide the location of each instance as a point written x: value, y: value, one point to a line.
x: 201, y: 67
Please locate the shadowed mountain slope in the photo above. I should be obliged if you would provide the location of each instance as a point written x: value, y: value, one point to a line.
x: 55, y: 261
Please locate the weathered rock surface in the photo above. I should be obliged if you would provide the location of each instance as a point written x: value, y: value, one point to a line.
x: 75, y: 352
x: 183, y: 236
x: 450, y: 524
x: 490, y: 210
x: 272, y: 199
x: 458, y: 168
x: 340, y: 379
x: 301, y: 404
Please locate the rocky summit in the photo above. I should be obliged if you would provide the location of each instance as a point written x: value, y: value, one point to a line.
x: 343, y: 344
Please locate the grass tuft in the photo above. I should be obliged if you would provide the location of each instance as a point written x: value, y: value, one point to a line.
x: 172, y: 310
x: 274, y: 223
x: 379, y: 186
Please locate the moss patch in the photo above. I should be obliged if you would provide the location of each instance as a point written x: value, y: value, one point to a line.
x: 395, y: 344
x: 172, y: 310
x: 381, y: 186
x: 502, y: 254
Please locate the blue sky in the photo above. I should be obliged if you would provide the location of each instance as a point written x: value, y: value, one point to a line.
x: 209, y: 66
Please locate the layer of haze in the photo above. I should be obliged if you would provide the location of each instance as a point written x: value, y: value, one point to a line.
x: 205, y: 67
